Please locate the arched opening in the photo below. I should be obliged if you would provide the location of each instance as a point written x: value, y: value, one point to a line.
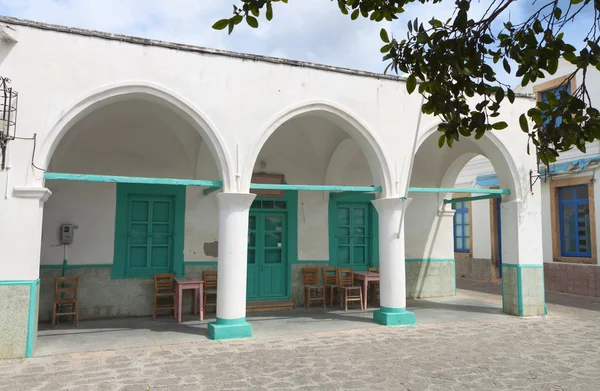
x: 312, y: 145
x: 446, y: 232
x: 123, y: 233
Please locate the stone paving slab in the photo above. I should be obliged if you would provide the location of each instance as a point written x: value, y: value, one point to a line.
x: 555, y: 353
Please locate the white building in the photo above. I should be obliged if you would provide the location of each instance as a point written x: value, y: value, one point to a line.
x: 568, y: 192
x: 151, y: 149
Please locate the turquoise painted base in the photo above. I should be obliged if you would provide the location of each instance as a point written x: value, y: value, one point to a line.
x: 229, y: 329
x: 394, y: 317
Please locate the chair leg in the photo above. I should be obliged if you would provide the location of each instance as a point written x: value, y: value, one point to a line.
x: 331, y: 296
x: 323, y: 290
x: 154, y: 313
x: 53, y: 315
x: 175, y: 305
x: 345, y: 299
x: 77, y: 314
x: 308, y: 290
x: 362, y: 308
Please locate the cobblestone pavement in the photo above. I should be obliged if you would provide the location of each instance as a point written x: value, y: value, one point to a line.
x: 559, y: 352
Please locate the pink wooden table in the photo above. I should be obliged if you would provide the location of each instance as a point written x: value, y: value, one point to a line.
x: 189, y: 283
x: 365, y: 277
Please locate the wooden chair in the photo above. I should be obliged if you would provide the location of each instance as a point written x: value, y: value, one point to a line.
x: 210, y: 288
x: 65, y: 295
x: 374, y: 285
x: 163, y: 291
x: 330, y: 281
x: 345, y: 277
x: 311, y: 283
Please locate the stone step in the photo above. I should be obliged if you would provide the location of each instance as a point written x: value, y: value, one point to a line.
x: 269, y: 305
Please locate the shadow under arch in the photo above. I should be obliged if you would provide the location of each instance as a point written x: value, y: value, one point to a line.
x: 493, y: 149
x: 145, y: 91
x: 365, y: 138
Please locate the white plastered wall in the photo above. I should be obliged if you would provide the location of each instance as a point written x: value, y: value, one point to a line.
x: 303, y: 150
x: 233, y: 104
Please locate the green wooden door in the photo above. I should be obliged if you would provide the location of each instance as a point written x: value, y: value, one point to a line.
x: 353, y: 235
x: 266, y: 255
x: 150, y: 233
x: 253, y: 268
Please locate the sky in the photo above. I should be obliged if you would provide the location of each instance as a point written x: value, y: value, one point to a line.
x: 307, y: 30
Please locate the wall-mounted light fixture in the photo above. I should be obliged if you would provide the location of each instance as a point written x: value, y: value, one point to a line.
x: 8, y: 117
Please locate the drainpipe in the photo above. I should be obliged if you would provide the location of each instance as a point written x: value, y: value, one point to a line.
x: 410, y: 167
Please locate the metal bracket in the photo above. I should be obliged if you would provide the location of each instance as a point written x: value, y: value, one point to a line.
x: 533, y: 181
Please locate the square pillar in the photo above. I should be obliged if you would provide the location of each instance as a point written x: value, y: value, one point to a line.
x: 20, y: 241
x: 523, y: 291
x: 392, y: 268
x: 232, y: 267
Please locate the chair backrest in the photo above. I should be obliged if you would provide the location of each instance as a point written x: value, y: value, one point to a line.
x: 373, y: 270
x: 345, y: 277
x: 210, y: 278
x: 310, y: 275
x: 163, y: 283
x: 329, y: 276
x: 65, y: 287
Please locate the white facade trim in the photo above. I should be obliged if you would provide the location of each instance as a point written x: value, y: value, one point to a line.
x: 40, y: 193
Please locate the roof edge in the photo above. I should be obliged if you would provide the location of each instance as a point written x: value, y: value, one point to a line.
x: 193, y: 48
x: 204, y: 50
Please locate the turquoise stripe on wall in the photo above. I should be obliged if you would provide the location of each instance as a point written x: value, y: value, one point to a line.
x: 85, y: 266
x: 200, y: 263
x: 104, y: 265
x: 33, y: 288
x: 411, y: 260
x: 524, y: 265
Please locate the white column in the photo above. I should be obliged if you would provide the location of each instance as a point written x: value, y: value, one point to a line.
x: 392, y: 288
x: 232, y: 267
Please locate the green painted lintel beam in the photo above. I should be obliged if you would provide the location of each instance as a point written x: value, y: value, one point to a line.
x: 475, y: 198
x: 126, y: 179
x: 457, y: 190
x: 270, y: 186
x: 255, y: 186
x: 210, y: 190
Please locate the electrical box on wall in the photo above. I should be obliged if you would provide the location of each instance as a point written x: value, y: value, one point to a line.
x: 66, y: 233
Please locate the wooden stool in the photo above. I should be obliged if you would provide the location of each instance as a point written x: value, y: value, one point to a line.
x: 65, y: 295
x: 346, y: 285
x: 374, y: 287
x: 163, y: 289
x: 311, y: 283
x: 210, y: 288
x: 331, y: 282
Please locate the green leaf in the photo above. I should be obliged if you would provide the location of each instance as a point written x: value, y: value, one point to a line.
x: 441, y: 141
x: 511, y: 95
x: 252, y: 21
x: 499, y: 95
x: 355, y: 14
x: 221, y: 24
x: 500, y: 125
x: 384, y: 36
x: 523, y: 123
x: 506, y: 65
x: 411, y: 83
x: 269, y: 11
